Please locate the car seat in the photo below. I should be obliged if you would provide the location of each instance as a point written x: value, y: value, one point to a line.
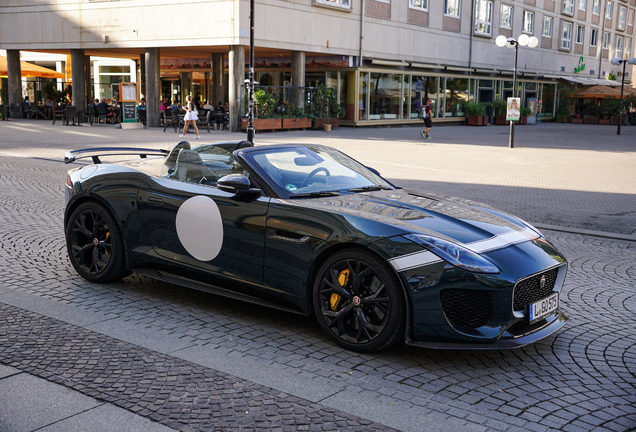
x: 171, y: 160
x: 190, y: 168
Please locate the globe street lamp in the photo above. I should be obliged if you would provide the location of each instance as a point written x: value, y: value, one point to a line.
x: 616, y: 61
x: 524, y: 40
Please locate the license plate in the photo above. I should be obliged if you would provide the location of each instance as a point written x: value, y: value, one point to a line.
x: 543, y: 308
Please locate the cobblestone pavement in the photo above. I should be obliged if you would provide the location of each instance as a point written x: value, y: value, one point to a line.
x: 583, y: 378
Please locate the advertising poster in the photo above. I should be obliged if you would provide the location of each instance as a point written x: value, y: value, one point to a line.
x: 513, y: 109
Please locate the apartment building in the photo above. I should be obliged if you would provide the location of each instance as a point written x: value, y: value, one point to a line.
x: 383, y: 57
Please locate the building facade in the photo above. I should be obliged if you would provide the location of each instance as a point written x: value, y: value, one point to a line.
x: 384, y: 58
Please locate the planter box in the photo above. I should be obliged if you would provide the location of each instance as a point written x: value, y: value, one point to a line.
x: 614, y: 120
x: 318, y: 123
x: 296, y: 123
x: 577, y: 120
x: 501, y: 120
x: 263, y: 124
x: 604, y: 122
x: 590, y: 119
x: 475, y: 120
x: 484, y: 120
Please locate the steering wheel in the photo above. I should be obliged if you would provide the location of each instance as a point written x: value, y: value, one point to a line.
x: 313, y: 173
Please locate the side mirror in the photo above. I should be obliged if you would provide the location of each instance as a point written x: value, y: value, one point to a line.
x: 236, y: 184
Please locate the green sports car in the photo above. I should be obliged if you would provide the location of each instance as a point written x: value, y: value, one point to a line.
x: 307, y: 229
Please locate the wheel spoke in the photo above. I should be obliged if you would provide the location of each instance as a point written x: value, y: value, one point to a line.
x: 358, y: 276
x: 80, y: 250
x: 334, y: 285
x: 362, y: 327
x: 81, y: 226
x: 338, y: 318
x: 362, y: 320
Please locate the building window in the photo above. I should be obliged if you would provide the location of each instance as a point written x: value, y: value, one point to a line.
x: 582, y: 4
x: 608, y: 10
x: 595, y: 7
x: 606, y: 40
x: 593, y: 37
x: 419, y: 4
x: 630, y: 17
x: 620, y: 43
x: 622, y: 16
x: 528, y: 22
x: 340, y: 3
x: 506, y: 17
x: 580, y: 34
x: 483, y: 17
x: 628, y: 49
x: 547, y: 26
x: 451, y: 8
x: 566, y: 36
x: 568, y: 7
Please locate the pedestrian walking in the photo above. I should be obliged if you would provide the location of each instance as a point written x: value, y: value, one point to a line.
x: 427, y: 115
x: 191, y: 117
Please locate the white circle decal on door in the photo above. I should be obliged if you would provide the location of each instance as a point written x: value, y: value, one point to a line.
x: 200, y: 227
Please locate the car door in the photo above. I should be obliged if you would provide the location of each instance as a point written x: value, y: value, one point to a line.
x: 205, y: 228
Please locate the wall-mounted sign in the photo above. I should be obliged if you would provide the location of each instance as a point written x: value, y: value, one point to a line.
x: 580, y: 67
x: 591, y: 71
x: 562, y: 68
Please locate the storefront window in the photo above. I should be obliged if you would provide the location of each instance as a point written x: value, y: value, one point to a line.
x: 456, y: 95
x: 547, y: 104
x: 364, y: 89
x: 422, y: 89
x: 385, y: 96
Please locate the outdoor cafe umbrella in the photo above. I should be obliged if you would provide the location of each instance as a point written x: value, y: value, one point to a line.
x: 29, y: 70
x: 598, y: 92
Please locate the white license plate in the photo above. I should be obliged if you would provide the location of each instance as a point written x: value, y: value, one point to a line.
x: 543, y: 308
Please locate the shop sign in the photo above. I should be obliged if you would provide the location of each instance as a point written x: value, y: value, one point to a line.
x: 580, y: 67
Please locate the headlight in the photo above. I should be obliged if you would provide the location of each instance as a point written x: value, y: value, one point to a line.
x: 455, y: 254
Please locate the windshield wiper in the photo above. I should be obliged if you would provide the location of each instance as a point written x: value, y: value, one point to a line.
x: 369, y: 188
x: 314, y: 195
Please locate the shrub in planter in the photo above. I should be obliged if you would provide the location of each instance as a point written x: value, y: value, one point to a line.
x: 499, y: 107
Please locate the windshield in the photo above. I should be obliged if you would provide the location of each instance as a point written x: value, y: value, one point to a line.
x: 302, y: 171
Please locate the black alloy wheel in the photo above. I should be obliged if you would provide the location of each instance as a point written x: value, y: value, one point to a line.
x: 94, y: 244
x: 358, y: 301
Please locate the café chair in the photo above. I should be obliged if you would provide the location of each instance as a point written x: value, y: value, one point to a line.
x: 57, y: 112
x: 14, y: 110
x: 26, y: 110
x: 70, y: 113
x: 3, y: 112
x: 205, y: 120
x: 102, y: 113
x: 171, y: 118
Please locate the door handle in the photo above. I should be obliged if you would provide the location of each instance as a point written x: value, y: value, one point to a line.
x: 155, y: 200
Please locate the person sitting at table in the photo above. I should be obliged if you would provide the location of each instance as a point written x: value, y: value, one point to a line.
x: 208, y: 106
x: 190, y: 118
x: 48, y: 107
x: 219, y: 114
x: 142, y: 104
x: 26, y: 99
x: 175, y: 106
x: 164, y: 104
x: 105, y: 108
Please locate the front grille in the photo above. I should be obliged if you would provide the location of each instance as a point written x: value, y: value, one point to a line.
x: 529, y: 290
x: 466, y: 309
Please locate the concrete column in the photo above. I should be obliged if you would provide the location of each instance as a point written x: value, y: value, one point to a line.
x: 217, y: 78
x: 153, y: 87
x: 237, y: 78
x: 14, y: 73
x: 298, y: 78
x: 79, y: 83
x: 87, y: 79
x: 142, y: 76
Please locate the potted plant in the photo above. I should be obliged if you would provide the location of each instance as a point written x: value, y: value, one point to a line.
x: 592, y: 114
x: 524, y: 112
x: 296, y: 119
x: 577, y: 118
x: 500, y: 106
x: 474, y: 113
x: 264, y: 103
x: 611, y: 109
x: 326, y: 110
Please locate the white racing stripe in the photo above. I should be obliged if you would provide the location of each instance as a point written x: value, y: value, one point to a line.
x: 501, y: 240
x: 417, y: 259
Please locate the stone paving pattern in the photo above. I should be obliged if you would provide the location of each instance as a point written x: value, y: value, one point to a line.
x: 583, y: 378
x: 165, y: 389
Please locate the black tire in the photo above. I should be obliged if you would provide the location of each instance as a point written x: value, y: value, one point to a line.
x: 94, y: 244
x: 367, y: 313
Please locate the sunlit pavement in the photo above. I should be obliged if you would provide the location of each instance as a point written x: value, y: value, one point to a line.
x: 154, y: 355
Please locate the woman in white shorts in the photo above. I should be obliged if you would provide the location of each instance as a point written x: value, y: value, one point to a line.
x: 191, y: 117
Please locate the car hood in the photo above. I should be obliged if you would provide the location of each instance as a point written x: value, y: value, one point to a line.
x: 456, y: 219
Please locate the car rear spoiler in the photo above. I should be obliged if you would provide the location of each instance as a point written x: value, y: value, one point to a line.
x: 95, y: 153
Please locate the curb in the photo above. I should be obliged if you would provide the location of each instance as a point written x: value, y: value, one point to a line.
x: 603, y: 234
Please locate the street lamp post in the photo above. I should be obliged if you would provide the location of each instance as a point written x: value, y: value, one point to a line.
x: 524, y: 40
x: 250, y: 104
x: 616, y: 61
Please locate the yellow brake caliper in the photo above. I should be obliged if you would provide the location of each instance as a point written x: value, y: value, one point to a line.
x: 343, y: 280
